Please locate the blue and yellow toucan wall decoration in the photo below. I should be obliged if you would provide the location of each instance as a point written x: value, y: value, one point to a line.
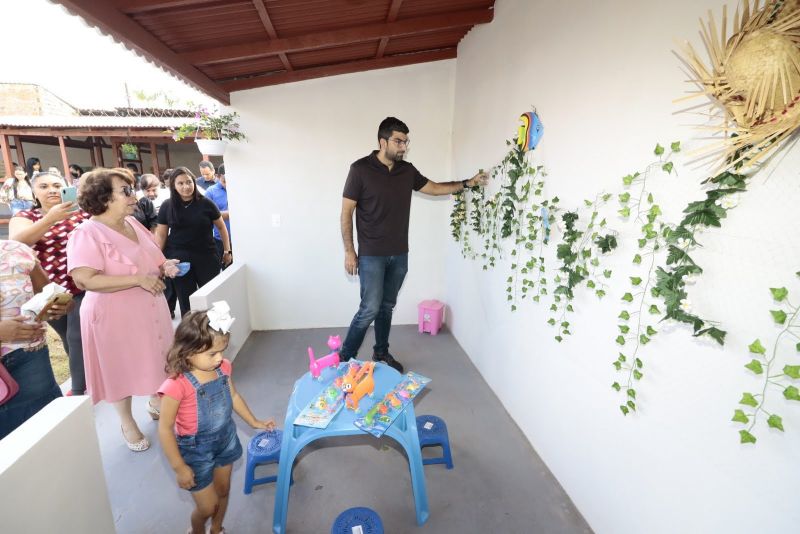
x: 530, y: 131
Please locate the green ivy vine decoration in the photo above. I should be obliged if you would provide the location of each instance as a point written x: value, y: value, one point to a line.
x: 764, y: 366
x: 637, y: 319
x: 579, y: 256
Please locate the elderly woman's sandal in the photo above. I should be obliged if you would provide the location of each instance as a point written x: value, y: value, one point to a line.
x: 154, y: 412
x: 136, y: 446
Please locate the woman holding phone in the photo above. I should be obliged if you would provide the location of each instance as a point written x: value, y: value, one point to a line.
x: 46, y: 228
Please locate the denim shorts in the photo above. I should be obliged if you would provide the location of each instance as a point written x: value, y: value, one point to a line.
x: 37, y: 387
x: 204, y: 454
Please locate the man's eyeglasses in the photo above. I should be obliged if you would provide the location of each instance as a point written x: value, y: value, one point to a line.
x: 127, y: 190
x: 400, y: 142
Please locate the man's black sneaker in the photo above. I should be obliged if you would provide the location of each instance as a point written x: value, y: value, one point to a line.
x: 389, y: 360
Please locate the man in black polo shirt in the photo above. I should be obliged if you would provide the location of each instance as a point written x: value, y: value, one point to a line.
x: 378, y: 189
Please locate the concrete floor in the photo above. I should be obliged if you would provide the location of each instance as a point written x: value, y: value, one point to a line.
x: 499, y: 483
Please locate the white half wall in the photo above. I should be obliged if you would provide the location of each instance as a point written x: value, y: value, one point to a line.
x: 603, y: 77
x: 302, y: 139
x: 231, y: 286
x: 51, y: 474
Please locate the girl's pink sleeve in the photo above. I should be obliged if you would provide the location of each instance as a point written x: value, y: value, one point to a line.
x: 171, y: 388
x: 83, y: 250
x: 226, y: 367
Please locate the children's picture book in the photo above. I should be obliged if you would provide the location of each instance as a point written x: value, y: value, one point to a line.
x: 383, y: 413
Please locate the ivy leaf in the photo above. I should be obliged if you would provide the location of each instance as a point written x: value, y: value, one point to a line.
x: 675, y: 146
x: 667, y: 167
x: 559, y: 339
x: 635, y: 280
x: 631, y: 404
x: 740, y: 417
x: 775, y: 421
x: 632, y: 393
x: 624, y: 328
x: 650, y: 198
x: 616, y: 386
x: 551, y: 321
x: 513, y: 307
x: 651, y: 331
x: 627, y: 180
x: 600, y: 293
x: 625, y: 212
x: 746, y: 437
x: 748, y: 399
x: 791, y: 393
x: 607, y: 273
x: 625, y: 316
x: 627, y: 297
x: 622, y: 357
x: 779, y: 293
x: 643, y: 339
x: 779, y: 316
x: 624, y: 409
x: 792, y: 371
x: 617, y: 366
x: 620, y: 340
x: 654, y: 309
x: 638, y: 363
x: 637, y: 374
x: 756, y: 347
x: 658, y: 150
x: 624, y: 197
x: 637, y: 259
x: 714, y: 333
x: 755, y: 366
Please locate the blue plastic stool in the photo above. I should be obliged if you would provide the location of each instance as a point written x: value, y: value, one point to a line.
x: 436, y: 435
x: 367, y: 519
x: 264, y: 448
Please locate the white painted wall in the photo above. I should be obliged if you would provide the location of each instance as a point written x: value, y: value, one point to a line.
x: 51, y: 474
x: 230, y: 286
x: 303, y: 138
x: 603, y: 77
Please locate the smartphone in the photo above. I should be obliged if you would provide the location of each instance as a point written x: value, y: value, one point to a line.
x: 70, y: 194
x: 58, y: 298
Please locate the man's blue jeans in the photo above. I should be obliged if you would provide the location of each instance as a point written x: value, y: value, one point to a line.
x: 381, y: 278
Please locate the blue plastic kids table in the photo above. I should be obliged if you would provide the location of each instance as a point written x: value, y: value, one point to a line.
x: 404, y: 431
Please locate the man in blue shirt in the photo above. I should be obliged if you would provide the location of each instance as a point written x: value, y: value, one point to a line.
x: 206, y: 178
x: 218, y: 194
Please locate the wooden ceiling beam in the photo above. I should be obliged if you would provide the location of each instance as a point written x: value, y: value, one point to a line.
x: 110, y: 20
x: 342, y: 37
x: 86, y: 132
x: 394, y: 9
x: 341, y: 68
x: 267, y: 22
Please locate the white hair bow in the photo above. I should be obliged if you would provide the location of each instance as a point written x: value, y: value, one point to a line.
x: 219, y: 317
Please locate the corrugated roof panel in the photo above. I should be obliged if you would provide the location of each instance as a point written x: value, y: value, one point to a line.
x: 190, y: 29
x: 226, y: 71
x: 334, y: 55
x: 90, y: 122
x: 426, y: 41
x: 292, y: 18
x: 420, y: 8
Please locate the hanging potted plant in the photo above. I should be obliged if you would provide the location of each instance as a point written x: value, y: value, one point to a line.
x: 211, y: 131
x: 129, y: 151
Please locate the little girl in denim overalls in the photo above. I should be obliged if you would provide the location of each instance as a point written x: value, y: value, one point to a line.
x: 196, y: 427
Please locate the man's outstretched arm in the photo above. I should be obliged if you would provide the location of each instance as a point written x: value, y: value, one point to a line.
x: 448, y: 188
x: 350, y: 256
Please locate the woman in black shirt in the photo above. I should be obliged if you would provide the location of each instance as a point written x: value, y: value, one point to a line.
x: 185, y: 222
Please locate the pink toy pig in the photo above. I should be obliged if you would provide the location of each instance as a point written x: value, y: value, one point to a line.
x: 334, y: 343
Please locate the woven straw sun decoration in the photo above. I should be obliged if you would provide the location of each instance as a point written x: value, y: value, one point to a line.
x: 753, y: 78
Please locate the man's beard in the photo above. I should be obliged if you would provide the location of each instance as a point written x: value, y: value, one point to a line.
x: 397, y: 156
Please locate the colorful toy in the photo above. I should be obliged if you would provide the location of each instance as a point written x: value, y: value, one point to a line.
x: 315, y: 367
x: 382, y: 414
x: 530, y: 131
x: 322, y: 409
x: 358, y: 382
